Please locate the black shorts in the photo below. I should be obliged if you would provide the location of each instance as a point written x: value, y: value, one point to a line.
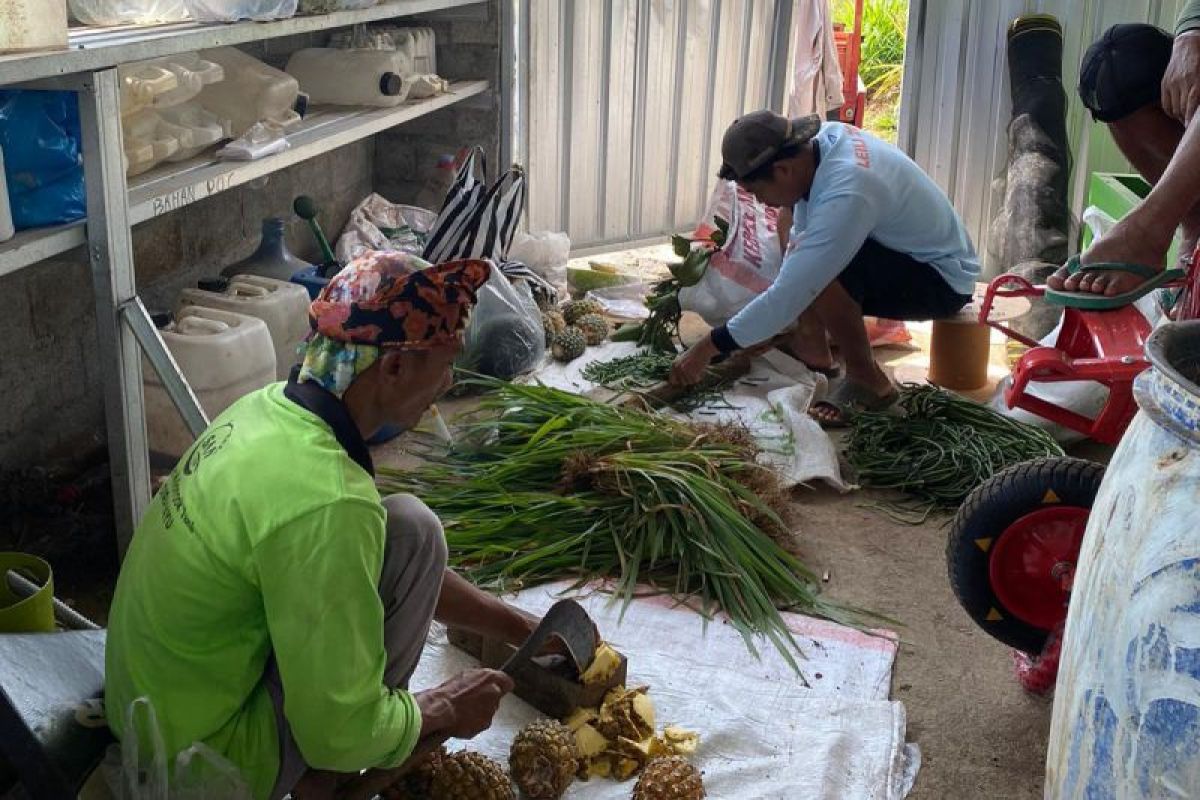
x: 895, y: 285
x: 1123, y: 70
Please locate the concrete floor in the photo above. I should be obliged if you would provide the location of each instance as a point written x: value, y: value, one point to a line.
x: 981, y: 736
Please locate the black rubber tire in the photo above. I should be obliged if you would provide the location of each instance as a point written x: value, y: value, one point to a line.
x: 989, y: 511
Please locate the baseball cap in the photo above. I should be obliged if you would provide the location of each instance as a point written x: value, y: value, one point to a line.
x: 755, y: 139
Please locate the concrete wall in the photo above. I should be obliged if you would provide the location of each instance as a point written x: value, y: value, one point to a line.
x: 52, y: 411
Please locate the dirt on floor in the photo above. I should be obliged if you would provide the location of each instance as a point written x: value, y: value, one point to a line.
x: 981, y: 736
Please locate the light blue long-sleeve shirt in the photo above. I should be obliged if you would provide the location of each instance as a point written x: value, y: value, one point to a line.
x: 863, y: 188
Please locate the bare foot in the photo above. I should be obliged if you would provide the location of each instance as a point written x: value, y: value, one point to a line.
x: 1127, y: 243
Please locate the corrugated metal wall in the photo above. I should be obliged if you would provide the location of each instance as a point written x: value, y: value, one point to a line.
x: 626, y: 103
x: 955, y: 107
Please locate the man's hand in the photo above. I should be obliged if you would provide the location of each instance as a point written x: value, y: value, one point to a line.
x: 463, y: 706
x: 689, y: 368
x: 1181, y: 83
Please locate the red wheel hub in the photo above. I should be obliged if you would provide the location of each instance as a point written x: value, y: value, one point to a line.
x: 1033, y: 561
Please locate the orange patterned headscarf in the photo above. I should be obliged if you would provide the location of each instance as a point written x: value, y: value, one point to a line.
x: 398, y: 300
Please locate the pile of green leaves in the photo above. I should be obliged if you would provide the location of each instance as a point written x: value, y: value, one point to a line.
x: 660, y: 331
x: 644, y: 369
x: 545, y: 484
x: 939, y: 450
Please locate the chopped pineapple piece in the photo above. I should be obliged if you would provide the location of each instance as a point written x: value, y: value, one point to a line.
x: 589, y: 741
x: 605, y: 662
x: 580, y: 716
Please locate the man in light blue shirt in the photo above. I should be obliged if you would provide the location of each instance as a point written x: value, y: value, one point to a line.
x: 872, y: 235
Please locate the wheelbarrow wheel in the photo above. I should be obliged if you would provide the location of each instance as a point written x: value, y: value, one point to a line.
x: 1013, y: 545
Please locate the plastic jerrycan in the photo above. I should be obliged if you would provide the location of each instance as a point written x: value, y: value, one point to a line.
x: 281, y: 305
x: 350, y: 77
x: 250, y: 92
x: 32, y: 25
x: 222, y: 354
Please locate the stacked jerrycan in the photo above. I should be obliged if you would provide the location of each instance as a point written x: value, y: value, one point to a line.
x: 222, y: 354
x: 282, y: 306
x: 159, y: 121
x: 174, y: 108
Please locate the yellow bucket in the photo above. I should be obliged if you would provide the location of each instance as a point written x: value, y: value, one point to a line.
x: 33, y: 614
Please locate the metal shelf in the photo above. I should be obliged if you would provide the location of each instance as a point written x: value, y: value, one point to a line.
x: 91, y: 49
x: 169, y: 187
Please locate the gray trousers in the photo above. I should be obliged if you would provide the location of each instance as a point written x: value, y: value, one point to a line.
x: 414, y: 561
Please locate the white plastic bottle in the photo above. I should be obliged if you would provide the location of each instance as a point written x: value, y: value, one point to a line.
x: 6, y: 221
x: 350, y: 77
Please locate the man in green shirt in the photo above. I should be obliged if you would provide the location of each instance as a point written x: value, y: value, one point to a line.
x: 1145, y: 84
x: 272, y: 606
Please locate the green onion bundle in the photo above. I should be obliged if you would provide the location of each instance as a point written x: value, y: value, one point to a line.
x: 546, y: 484
x: 646, y: 368
x: 939, y: 450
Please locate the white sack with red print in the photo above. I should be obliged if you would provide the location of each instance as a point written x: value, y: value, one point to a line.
x: 745, y: 266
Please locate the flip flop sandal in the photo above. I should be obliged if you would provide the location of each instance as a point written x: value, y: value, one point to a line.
x: 1153, y: 279
x: 849, y: 398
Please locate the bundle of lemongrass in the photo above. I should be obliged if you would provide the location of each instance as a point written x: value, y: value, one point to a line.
x: 545, y: 484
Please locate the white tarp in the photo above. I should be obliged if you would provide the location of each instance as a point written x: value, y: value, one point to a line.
x: 771, y: 400
x: 764, y: 734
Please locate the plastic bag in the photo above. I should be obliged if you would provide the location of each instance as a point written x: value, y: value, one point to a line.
x: 127, y: 12
x: 379, y: 224
x: 545, y: 252
x: 43, y: 167
x: 136, y: 768
x: 233, y: 10
x: 748, y: 262
x: 626, y: 302
x: 505, y: 337
x: 263, y: 139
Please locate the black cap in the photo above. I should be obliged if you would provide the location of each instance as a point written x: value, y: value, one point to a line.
x: 391, y: 84
x: 301, y: 104
x: 161, y: 319
x: 755, y: 139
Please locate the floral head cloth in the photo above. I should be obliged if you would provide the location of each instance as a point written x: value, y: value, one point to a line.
x: 386, y: 300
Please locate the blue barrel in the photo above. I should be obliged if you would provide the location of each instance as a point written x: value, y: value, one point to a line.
x: 1127, y: 703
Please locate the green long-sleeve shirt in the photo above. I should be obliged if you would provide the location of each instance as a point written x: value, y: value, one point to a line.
x: 1189, y: 17
x: 266, y: 538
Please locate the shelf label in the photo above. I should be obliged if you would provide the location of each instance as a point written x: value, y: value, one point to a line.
x: 220, y: 183
x: 173, y: 200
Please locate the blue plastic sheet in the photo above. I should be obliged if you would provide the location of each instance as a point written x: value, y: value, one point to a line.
x: 43, y: 165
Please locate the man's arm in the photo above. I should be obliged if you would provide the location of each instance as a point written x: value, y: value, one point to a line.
x: 836, y: 230
x: 462, y: 605
x: 1181, y: 83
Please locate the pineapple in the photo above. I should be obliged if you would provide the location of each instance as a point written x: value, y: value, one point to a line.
x: 471, y: 776
x: 594, y: 327
x: 415, y: 783
x: 569, y: 345
x: 552, y: 324
x: 670, y: 778
x: 543, y: 759
x: 580, y: 308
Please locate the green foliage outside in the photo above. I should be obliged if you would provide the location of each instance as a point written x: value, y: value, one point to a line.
x: 885, y: 24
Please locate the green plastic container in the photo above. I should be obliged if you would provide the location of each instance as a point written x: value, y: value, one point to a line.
x: 33, y: 614
x: 1116, y: 194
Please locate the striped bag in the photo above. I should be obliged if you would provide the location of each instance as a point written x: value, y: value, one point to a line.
x: 478, y: 221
